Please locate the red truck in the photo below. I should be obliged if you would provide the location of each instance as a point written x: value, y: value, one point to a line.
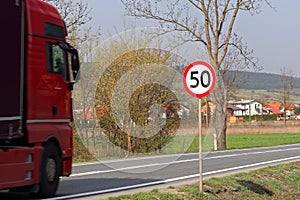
x: 38, y: 71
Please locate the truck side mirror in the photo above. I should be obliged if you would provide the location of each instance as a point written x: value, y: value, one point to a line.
x: 74, y: 58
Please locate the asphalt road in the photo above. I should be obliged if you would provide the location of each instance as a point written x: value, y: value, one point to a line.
x: 109, y: 177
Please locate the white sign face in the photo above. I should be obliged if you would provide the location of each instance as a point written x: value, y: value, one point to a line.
x: 199, y: 79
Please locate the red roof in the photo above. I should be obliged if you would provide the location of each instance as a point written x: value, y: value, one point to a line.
x: 274, y: 105
x: 230, y: 106
x: 275, y: 111
x: 289, y: 106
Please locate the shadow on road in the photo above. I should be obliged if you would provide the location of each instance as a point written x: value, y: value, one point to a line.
x: 82, y: 186
x: 85, y: 185
x: 6, y: 195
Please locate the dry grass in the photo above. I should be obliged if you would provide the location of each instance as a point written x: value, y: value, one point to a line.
x: 266, y: 127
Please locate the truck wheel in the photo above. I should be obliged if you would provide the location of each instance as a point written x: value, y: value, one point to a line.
x: 50, y: 171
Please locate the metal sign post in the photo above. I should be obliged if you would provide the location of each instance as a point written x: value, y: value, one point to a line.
x: 200, y: 146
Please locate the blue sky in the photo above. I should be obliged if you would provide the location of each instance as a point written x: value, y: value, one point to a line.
x: 274, y: 35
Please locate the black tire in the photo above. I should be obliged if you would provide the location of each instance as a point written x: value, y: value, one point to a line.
x: 50, y: 170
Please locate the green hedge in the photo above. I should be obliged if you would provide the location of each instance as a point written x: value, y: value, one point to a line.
x: 260, y: 118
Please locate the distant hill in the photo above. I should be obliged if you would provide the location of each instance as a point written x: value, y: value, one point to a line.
x: 246, y: 80
x: 260, y: 81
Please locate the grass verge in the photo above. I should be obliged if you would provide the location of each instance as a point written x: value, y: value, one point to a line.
x: 275, y: 182
x: 261, y: 140
x: 240, y: 141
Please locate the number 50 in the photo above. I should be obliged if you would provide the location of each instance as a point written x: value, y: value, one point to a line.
x: 204, y: 79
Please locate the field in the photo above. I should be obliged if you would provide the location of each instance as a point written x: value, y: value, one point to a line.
x: 239, y: 141
x: 267, y: 95
x: 247, y: 135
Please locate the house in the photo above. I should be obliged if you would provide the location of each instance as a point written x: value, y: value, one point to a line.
x: 278, y: 109
x: 289, y: 109
x: 230, y: 111
x: 273, y: 108
x: 248, y: 107
x: 208, y: 107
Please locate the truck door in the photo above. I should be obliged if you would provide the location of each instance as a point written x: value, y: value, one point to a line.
x: 57, y: 67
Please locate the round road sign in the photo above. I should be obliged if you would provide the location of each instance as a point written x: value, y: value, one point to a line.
x: 199, y: 79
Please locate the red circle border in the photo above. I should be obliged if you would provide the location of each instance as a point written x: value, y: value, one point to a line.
x: 211, y: 69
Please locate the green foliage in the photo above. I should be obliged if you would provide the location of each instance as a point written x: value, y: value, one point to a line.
x: 297, y: 110
x: 139, y: 104
x: 80, y: 153
x: 271, y: 117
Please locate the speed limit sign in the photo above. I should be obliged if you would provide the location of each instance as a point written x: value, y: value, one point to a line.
x: 199, y: 79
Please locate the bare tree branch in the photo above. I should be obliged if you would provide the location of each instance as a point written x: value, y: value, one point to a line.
x: 210, y: 22
x: 77, y: 16
x: 288, y: 82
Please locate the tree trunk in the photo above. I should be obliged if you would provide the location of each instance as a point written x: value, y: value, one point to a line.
x: 221, y: 138
x: 218, y: 122
x: 284, y: 115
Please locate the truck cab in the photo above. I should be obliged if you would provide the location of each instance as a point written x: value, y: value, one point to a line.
x: 39, y: 69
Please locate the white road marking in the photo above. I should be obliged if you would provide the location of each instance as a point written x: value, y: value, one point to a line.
x: 133, y: 167
x: 253, y: 153
x: 179, y: 155
x: 251, y: 165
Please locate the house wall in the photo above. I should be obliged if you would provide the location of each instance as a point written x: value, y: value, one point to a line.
x: 252, y: 108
